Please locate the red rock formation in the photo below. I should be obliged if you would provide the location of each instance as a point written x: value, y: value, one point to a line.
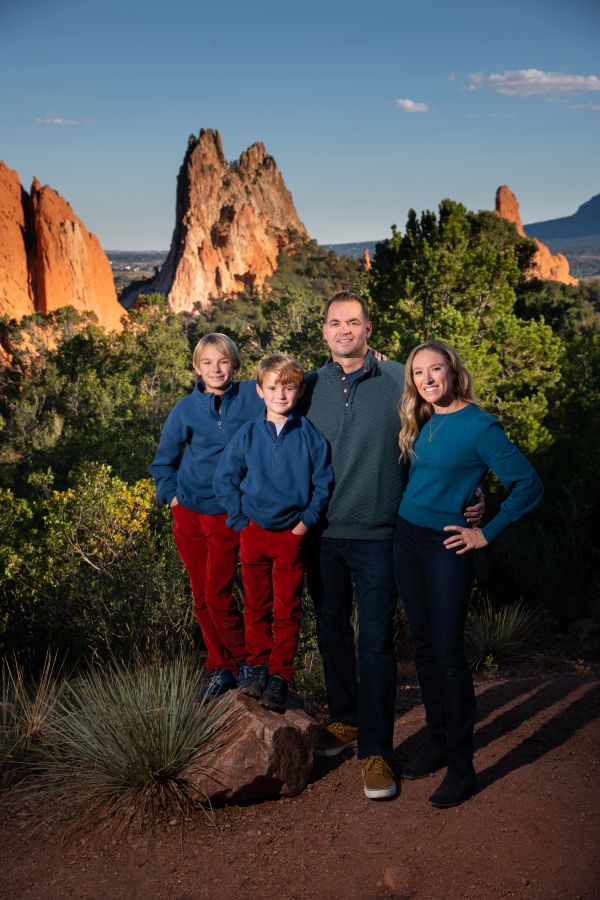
x: 231, y: 223
x: 546, y: 266
x: 16, y: 296
x: 48, y: 258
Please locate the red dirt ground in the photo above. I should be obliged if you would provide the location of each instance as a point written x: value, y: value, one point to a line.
x: 532, y: 830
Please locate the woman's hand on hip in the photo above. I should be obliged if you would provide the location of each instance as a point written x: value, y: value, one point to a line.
x: 174, y: 502
x: 465, y: 539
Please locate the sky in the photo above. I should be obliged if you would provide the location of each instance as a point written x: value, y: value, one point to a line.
x: 369, y: 109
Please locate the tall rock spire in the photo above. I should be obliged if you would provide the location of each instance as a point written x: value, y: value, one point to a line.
x: 231, y: 222
x: 546, y: 266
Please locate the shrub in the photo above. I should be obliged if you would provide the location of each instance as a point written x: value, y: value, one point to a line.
x: 24, y: 712
x: 118, y: 741
x: 498, y: 634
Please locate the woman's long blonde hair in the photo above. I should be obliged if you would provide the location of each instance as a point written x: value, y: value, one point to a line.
x: 414, y: 410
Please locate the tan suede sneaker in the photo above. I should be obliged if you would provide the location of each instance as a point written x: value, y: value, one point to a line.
x: 336, y: 738
x: 378, y: 778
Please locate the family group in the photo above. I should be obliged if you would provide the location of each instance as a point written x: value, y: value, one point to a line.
x: 364, y: 476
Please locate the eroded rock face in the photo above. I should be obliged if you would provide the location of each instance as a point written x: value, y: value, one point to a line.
x: 546, y: 266
x: 231, y: 223
x: 48, y: 258
x: 16, y: 294
x: 262, y: 754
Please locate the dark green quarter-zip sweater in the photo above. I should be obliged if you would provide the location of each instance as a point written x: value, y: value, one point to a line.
x: 362, y: 428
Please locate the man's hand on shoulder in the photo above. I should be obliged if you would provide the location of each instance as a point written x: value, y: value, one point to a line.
x: 379, y: 356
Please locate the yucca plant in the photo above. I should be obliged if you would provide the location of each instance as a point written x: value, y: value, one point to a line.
x: 120, y: 740
x: 498, y: 633
x: 25, y: 709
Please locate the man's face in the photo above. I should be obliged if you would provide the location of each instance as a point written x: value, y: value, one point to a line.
x: 346, y: 330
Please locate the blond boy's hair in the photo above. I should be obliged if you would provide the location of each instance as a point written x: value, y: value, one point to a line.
x: 287, y: 369
x: 223, y: 344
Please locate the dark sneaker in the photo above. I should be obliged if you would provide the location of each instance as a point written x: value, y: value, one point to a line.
x: 379, y: 783
x: 275, y: 693
x: 431, y: 758
x: 217, y: 682
x: 245, y: 679
x: 336, y: 738
x: 456, y: 787
x: 252, y: 680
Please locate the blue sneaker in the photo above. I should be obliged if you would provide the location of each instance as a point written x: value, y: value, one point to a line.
x: 217, y: 682
x: 245, y: 678
x: 275, y: 693
x: 252, y: 680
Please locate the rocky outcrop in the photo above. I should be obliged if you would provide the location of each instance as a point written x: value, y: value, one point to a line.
x: 232, y: 220
x: 366, y: 260
x: 48, y: 258
x: 546, y: 266
x: 16, y: 295
x: 261, y: 754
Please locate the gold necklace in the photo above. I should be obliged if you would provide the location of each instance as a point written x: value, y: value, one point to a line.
x: 435, y: 431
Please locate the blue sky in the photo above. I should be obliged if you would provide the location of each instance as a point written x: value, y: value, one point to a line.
x: 98, y: 99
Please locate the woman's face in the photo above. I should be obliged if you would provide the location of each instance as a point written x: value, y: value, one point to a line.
x: 433, y: 377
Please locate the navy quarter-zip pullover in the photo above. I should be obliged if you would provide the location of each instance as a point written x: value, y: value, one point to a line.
x: 193, y: 439
x: 275, y: 479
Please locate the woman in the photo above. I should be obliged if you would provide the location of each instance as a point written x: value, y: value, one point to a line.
x: 448, y: 443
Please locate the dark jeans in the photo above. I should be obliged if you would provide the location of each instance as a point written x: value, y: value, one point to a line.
x: 369, y: 703
x: 435, y: 586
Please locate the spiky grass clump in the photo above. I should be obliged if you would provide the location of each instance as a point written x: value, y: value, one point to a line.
x: 25, y: 710
x: 120, y: 740
x: 498, y: 634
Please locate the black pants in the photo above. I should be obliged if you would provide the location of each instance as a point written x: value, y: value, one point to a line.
x: 435, y: 586
x: 366, y: 699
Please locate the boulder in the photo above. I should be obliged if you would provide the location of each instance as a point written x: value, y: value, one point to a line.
x: 261, y: 754
x: 231, y: 222
x: 546, y: 266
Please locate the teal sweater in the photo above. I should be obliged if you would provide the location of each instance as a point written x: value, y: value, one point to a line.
x: 464, y: 445
x: 362, y: 429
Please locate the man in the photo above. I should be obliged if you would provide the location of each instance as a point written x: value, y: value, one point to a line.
x: 353, y: 401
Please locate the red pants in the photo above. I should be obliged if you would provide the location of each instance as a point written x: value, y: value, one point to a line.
x: 209, y: 552
x: 273, y: 566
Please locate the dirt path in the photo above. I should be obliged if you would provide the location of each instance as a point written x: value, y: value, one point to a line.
x: 531, y: 831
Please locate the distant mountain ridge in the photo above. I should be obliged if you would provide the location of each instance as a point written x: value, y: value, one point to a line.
x: 583, y: 223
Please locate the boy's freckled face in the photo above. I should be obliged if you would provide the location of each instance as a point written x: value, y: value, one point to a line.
x: 280, y: 399
x: 216, y: 370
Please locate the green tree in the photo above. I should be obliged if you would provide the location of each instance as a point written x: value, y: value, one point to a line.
x: 75, y: 394
x: 454, y: 276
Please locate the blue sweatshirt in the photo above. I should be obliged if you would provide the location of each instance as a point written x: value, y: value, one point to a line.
x: 463, y: 446
x: 193, y: 439
x: 275, y: 480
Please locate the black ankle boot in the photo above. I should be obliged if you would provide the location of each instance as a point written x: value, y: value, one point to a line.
x: 458, y: 785
x: 429, y: 760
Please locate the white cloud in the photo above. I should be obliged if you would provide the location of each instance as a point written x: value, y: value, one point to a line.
x: 452, y: 76
x: 528, y: 82
x: 592, y: 107
x: 56, y: 120
x: 412, y: 106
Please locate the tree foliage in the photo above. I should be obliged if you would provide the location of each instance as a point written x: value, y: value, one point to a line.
x: 454, y: 276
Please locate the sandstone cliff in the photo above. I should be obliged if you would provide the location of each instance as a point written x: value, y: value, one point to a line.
x: 546, y: 266
x: 48, y: 258
x: 231, y: 222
